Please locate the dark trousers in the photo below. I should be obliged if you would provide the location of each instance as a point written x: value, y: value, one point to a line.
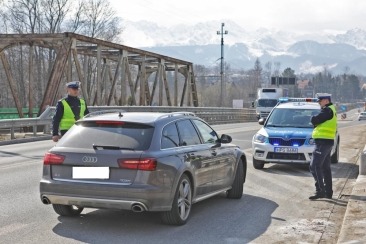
x: 320, y: 166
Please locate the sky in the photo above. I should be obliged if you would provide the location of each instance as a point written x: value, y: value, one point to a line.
x: 292, y: 15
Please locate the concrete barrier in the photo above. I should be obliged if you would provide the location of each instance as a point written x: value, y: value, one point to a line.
x: 362, y: 169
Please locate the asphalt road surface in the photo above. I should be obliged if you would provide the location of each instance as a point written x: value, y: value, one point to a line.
x: 274, y: 207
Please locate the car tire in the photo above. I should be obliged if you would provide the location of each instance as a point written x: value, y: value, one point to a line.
x: 335, y: 156
x: 236, y: 191
x: 182, y: 204
x: 258, y: 164
x: 67, y: 210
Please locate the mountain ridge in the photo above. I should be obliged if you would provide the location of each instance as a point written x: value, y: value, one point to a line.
x: 303, y: 52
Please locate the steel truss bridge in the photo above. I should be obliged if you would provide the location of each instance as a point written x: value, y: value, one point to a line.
x: 122, y: 75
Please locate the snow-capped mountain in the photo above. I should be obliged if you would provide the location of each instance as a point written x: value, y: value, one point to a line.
x: 303, y: 52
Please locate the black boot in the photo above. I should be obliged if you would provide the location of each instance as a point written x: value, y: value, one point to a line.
x: 328, y: 195
x: 317, y: 195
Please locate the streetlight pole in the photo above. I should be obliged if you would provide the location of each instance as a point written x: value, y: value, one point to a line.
x: 222, y: 32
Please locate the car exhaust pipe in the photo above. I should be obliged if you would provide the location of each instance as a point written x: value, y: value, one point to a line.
x: 45, y: 200
x: 138, y: 208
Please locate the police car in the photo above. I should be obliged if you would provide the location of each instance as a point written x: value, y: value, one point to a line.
x: 286, y: 134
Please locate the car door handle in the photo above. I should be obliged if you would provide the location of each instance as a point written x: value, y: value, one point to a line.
x: 213, y: 153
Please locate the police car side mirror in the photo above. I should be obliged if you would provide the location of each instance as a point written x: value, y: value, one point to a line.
x: 261, y: 121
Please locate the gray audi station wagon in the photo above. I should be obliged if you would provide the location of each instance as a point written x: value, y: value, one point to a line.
x: 141, y: 161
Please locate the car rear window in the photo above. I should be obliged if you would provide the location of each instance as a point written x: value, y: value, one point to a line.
x: 85, y: 134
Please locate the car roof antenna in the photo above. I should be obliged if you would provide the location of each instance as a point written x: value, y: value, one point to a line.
x: 120, y: 114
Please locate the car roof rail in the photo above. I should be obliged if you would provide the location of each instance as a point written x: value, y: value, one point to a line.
x: 109, y: 111
x: 184, y: 113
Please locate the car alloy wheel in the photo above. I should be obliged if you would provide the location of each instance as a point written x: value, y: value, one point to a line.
x: 182, y: 203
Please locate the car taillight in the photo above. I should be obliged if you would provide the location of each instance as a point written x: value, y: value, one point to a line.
x: 51, y: 158
x: 140, y: 164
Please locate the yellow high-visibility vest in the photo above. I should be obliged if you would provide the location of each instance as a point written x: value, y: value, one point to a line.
x: 68, y: 118
x: 326, y: 130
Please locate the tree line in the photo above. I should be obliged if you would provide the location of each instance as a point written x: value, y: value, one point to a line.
x: 243, y: 84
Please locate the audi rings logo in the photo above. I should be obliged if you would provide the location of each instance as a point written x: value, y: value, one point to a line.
x: 88, y: 159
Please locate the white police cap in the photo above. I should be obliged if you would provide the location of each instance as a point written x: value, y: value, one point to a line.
x: 321, y: 96
x: 73, y: 84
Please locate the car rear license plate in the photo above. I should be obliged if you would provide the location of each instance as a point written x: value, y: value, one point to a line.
x: 90, y: 172
x: 285, y: 150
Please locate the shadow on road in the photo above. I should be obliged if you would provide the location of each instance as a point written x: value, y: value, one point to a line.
x: 5, y: 154
x: 215, y: 220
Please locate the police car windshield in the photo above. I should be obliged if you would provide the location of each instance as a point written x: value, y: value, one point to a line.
x: 287, y: 117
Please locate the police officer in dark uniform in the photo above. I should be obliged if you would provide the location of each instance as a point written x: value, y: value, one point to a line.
x: 325, y: 124
x: 68, y: 111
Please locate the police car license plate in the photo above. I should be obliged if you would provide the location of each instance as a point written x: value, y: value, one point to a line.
x: 285, y: 150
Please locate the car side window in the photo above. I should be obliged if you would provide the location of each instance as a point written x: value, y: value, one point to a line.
x: 188, y: 134
x: 207, y: 133
x: 169, y: 137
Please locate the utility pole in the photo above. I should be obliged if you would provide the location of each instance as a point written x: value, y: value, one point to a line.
x: 222, y: 32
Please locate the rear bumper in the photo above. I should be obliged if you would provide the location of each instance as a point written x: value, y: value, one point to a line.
x: 93, y: 202
x: 123, y: 197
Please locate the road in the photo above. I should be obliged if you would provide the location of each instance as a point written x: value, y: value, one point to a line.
x: 274, y: 208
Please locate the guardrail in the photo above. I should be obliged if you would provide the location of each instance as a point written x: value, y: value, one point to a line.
x: 211, y: 115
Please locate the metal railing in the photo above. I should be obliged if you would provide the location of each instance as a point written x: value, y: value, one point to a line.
x: 43, y: 123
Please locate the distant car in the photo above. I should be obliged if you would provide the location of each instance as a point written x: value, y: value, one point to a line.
x: 362, y: 116
x: 161, y: 162
x: 286, y: 134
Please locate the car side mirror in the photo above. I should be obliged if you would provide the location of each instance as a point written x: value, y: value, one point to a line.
x: 225, y: 138
x: 261, y: 121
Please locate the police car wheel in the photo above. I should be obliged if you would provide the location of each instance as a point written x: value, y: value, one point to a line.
x: 258, y: 164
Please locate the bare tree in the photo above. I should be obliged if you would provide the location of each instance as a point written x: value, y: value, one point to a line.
x: 75, y: 21
x: 268, y: 72
x: 257, y: 72
x: 23, y: 15
x: 99, y: 20
x: 277, y: 67
x: 54, y: 14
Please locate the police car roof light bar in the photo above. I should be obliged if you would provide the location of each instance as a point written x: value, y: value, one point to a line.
x: 296, y: 99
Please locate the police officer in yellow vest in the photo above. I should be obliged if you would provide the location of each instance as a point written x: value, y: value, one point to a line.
x: 325, y: 124
x: 68, y: 110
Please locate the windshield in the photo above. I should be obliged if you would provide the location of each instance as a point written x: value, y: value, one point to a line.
x: 267, y: 102
x: 286, y: 117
